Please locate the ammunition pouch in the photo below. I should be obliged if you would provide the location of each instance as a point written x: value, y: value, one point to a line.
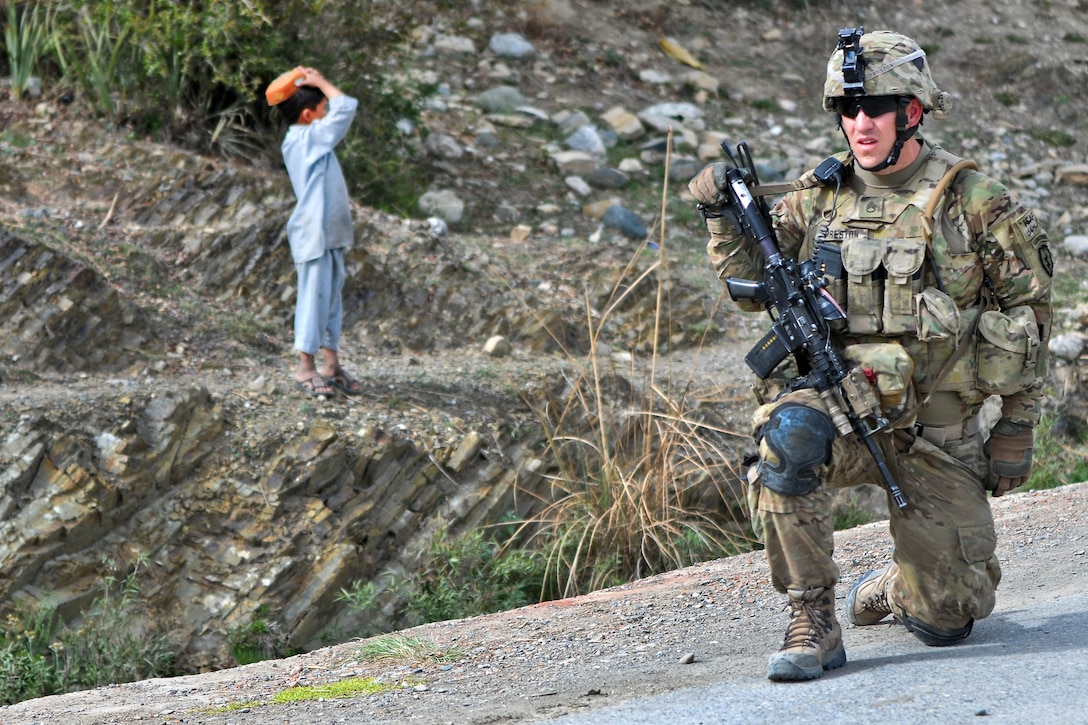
x: 891, y: 368
x: 1008, y: 350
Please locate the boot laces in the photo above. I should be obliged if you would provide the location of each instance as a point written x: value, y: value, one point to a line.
x: 807, y: 627
x: 877, y: 600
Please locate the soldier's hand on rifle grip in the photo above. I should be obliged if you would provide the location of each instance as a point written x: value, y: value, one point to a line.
x: 708, y: 187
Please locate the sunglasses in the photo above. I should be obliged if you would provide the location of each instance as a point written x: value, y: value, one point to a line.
x: 872, y: 105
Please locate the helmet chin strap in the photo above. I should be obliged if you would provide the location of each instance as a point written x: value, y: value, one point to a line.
x: 902, y: 135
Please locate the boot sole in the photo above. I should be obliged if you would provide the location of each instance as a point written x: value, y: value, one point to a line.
x: 784, y: 668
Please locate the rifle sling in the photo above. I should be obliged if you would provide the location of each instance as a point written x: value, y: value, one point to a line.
x: 783, y: 187
x: 809, y: 182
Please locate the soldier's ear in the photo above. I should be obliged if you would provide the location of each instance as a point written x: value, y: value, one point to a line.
x: 915, y: 111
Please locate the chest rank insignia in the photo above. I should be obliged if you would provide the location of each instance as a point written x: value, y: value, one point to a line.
x: 871, y: 207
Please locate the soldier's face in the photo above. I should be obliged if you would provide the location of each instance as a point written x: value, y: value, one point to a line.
x: 872, y: 137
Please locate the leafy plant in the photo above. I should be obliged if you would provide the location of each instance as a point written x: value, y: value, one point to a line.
x: 94, y: 55
x: 194, y: 72
x: 379, y: 159
x: 29, y: 647
x: 359, y: 596
x: 26, y: 39
x: 472, y: 574
x: 40, y: 656
x: 261, y: 638
x: 109, y: 645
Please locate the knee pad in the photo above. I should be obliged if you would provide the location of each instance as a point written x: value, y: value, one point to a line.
x: 795, y: 443
x: 933, y: 637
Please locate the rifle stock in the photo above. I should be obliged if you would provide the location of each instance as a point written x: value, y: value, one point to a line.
x: 801, y: 310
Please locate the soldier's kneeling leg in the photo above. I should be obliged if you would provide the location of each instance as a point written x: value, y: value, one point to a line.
x: 794, y: 445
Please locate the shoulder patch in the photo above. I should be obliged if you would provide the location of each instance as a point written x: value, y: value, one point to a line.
x: 1046, y: 259
x: 1029, y: 224
x: 1031, y: 243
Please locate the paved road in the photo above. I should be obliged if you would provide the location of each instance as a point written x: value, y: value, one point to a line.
x: 1023, y: 665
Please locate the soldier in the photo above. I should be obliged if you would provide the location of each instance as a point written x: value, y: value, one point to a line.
x: 945, y: 282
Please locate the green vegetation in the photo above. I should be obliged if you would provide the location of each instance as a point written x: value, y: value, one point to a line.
x: 640, y: 485
x: 240, y: 325
x: 261, y: 638
x: 1053, y: 136
x: 194, y: 73
x: 308, y: 693
x: 15, y: 140
x: 851, y: 516
x: 1069, y: 286
x: 26, y: 40
x: 461, y: 577
x: 1060, y: 456
x: 403, y: 649
x: 344, y: 688
x: 642, y: 480
x: 765, y: 104
x: 40, y: 655
x: 473, y: 574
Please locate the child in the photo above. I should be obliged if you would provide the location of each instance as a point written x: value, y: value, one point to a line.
x: 320, y: 228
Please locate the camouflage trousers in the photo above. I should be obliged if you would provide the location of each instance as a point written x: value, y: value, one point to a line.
x: 944, y: 539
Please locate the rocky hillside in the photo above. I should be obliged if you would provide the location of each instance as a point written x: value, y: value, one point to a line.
x: 147, y: 412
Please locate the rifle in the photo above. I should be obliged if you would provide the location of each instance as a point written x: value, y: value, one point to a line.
x: 801, y: 310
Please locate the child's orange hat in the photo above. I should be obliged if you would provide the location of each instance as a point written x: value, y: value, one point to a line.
x: 283, y: 87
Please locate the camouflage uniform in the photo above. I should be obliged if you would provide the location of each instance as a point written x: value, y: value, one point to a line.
x: 917, y: 283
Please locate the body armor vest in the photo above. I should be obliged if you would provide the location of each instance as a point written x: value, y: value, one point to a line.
x: 908, y: 273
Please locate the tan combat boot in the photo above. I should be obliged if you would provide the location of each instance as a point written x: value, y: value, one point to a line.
x: 813, y: 639
x: 867, y: 603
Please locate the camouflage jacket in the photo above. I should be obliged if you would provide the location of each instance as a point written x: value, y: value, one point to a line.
x: 899, y: 264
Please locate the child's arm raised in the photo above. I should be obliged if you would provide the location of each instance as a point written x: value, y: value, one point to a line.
x: 313, y: 77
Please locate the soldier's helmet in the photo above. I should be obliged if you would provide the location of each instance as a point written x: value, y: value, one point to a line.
x: 882, y: 63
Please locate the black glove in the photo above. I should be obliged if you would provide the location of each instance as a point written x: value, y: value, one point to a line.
x: 1009, y: 450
